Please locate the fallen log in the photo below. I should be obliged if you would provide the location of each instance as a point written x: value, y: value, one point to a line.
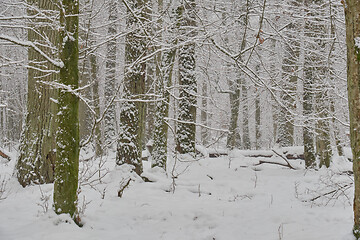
x: 259, y: 155
x: 216, y: 155
x: 289, y: 156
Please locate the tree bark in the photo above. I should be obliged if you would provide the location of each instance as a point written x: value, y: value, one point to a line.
x: 37, y: 145
x: 132, y: 114
x: 67, y: 149
x: 109, y: 119
x: 234, y: 138
x: 165, y: 63
x: 352, y: 19
x: 159, y: 153
x: 188, y: 85
x: 290, y: 67
x: 310, y: 72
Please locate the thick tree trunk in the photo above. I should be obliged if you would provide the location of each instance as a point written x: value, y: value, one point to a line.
x: 132, y: 114
x: 165, y: 63
x: 352, y: 18
x: 37, y: 145
x: 188, y: 86
x: 67, y: 150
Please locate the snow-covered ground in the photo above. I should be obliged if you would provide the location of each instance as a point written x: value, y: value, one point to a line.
x: 221, y: 198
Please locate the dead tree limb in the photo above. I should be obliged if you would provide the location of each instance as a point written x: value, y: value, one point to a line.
x: 123, y: 186
x: 277, y: 163
x: 2, y: 154
x: 288, y: 164
x: 341, y: 188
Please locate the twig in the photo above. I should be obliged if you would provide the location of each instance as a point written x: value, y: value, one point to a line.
x: 331, y: 192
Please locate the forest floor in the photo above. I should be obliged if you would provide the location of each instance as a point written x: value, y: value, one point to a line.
x: 224, y: 198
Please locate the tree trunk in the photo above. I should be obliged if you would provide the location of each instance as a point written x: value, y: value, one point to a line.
x: 204, y: 114
x: 246, y: 134
x: 159, y: 153
x: 234, y: 138
x: 257, y: 122
x: 67, y: 149
x: 132, y: 114
x: 37, y: 156
x: 97, y: 134
x: 309, y: 86
x: 290, y: 67
x: 188, y: 86
x: 109, y: 119
x: 352, y: 19
x: 85, y: 75
x: 323, y: 145
x: 165, y: 63
x: 332, y: 76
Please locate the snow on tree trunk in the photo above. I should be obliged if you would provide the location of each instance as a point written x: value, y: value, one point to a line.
x: 310, y: 72
x: 97, y: 132
x: 257, y: 122
x: 67, y: 138
x: 322, y: 104
x: 352, y: 19
x: 204, y: 114
x: 333, y: 80
x: 37, y: 145
x: 234, y: 138
x: 188, y: 86
x: 159, y: 153
x: 245, y: 110
x: 132, y: 113
x: 290, y: 71
x: 109, y: 132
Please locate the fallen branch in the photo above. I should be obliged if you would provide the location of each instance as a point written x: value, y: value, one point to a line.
x: 341, y: 188
x: 259, y: 155
x: 288, y: 164
x: 288, y: 156
x: 216, y: 155
x: 123, y: 186
x: 277, y: 163
x: 2, y: 154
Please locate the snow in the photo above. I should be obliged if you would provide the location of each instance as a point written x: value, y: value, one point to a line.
x: 212, y: 200
x: 357, y: 42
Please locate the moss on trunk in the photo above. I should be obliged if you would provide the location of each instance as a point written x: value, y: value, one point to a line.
x: 352, y: 18
x: 67, y: 150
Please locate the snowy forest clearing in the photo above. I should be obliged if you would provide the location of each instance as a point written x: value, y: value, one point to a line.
x: 214, y: 198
